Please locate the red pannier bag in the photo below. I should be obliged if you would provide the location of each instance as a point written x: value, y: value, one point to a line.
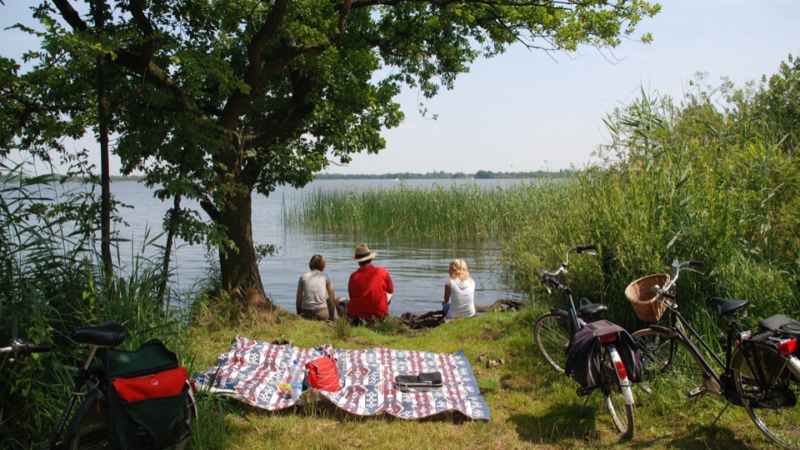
x: 323, y: 374
x: 162, y: 384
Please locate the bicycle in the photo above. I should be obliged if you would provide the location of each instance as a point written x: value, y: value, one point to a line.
x: 555, y: 333
x: 89, y: 427
x: 760, y: 373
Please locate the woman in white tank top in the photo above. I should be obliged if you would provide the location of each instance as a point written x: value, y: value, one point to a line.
x: 459, y: 292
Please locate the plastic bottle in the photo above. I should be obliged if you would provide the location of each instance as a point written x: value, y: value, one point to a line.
x: 296, y: 381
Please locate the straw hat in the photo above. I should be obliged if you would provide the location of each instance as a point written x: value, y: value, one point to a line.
x: 363, y: 254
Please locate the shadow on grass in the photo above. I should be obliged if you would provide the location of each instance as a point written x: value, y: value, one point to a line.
x: 315, y: 406
x: 560, y: 423
x: 705, y: 436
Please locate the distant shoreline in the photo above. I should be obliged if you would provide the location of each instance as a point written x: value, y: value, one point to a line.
x: 479, y: 175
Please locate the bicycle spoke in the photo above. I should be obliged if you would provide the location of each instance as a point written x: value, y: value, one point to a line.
x: 551, y: 334
x: 770, y: 389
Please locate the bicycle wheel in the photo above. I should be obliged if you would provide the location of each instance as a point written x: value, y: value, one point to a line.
x: 669, y: 360
x: 87, y: 430
x: 621, y: 412
x: 770, y: 386
x: 551, y: 333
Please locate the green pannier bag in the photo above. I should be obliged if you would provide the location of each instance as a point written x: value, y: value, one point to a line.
x: 152, y: 423
x: 152, y: 357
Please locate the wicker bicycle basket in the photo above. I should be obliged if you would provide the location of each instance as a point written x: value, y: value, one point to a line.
x: 644, y: 299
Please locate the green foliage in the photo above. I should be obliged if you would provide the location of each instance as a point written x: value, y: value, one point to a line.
x: 50, y: 283
x: 780, y: 105
x: 693, y: 180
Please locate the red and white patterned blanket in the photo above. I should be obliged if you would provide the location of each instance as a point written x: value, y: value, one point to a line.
x: 253, y: 369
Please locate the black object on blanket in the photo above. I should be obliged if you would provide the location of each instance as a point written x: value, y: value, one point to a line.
x: 423, y: 382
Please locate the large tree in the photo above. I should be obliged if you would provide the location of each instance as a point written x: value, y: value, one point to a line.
x: 219, y: 99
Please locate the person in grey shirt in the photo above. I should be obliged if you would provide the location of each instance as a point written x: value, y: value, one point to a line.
x: 315, y: 299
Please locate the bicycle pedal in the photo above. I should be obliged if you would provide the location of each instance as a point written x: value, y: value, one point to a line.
x: 583, y: 392
x: 696, y: 392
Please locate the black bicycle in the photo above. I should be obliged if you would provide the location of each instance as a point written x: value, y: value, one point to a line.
x: 760, y: 373
x: 95, y: 424
x: 555, y: 331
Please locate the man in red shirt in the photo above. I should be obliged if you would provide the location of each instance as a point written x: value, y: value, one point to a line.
x: 370, y: 288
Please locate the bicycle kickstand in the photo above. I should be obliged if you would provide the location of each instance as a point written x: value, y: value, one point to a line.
x: 585, y: 402
x: 714, y: 423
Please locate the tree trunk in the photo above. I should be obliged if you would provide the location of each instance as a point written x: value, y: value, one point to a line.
x: 105, y: 176
x: 240, y: 267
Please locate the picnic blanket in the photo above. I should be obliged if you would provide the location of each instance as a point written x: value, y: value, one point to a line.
x: 254, y: 368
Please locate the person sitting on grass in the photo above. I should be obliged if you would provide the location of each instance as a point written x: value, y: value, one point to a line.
x: 370, y: 289
x: 459, y: 292
x: 315, y: 299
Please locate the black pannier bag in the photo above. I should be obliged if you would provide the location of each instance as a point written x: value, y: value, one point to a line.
x: 583, y: 358
x: 150, y: 423
x: 782, y: 324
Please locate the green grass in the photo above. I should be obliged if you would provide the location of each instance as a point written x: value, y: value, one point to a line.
x: 531, y: 405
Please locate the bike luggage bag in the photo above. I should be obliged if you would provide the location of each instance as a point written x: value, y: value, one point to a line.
x: 152, y: 357
x: 583, y: 359
x: 782, y: 324
x: 140, y: 418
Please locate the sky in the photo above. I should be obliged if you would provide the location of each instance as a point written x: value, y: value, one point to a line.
x: 528, y: 110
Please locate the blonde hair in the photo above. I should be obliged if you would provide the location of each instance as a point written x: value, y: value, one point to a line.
x: 460, y: 269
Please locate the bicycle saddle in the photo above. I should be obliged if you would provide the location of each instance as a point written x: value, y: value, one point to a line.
x: 726, y: 307
x: 109, y: 334
x: 587, y: 307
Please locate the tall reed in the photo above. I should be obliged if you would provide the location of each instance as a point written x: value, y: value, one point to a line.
x: 51, y: 283
x: 455, y: 212
x: 680, y: 181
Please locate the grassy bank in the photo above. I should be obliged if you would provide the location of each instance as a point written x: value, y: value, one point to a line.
x: 531, y: 405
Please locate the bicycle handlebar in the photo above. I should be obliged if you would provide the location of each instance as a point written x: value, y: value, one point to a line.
x: 37, y: 348
x: 678, y: 267
x: 549, y: 279
x: 25, y: 348
x: 563, y: 268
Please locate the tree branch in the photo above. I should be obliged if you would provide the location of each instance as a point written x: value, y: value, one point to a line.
x: 70, y: 15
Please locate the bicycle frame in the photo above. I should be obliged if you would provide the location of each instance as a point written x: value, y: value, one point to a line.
x: 677, y: 324
x: 88, y: 426
x: 81, y: 381
x: 613, y: 378
x: 550, y: 279
x: 676, y: 328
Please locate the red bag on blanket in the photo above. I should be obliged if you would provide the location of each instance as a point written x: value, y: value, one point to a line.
x: 163, y: 384
x: 323, y: 374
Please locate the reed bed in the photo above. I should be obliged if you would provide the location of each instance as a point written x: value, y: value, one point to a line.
x: 687, y: 180
x: 456, y: 212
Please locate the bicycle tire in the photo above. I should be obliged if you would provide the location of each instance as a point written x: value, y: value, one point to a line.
x: 87, y: 429
x: 771, y: 403
x: 669, y: 360
x: 622, y: 414
x: 552, y: 335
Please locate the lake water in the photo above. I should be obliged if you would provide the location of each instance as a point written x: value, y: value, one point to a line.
x: 417, y: 267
